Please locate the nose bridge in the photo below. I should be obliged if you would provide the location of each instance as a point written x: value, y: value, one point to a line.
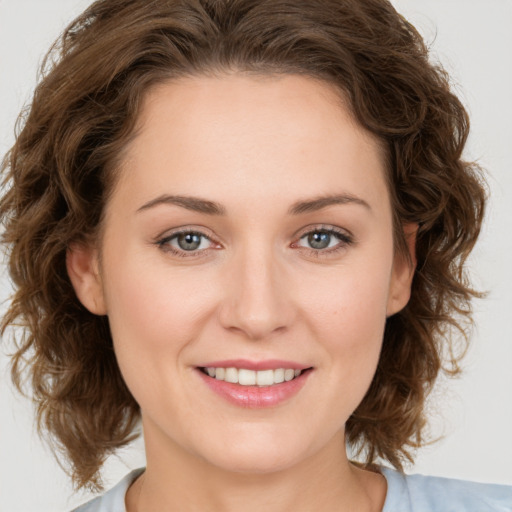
x: 256, y: 302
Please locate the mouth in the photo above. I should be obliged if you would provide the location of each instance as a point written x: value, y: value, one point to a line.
x: 254, y: 388
x: 247, y: 377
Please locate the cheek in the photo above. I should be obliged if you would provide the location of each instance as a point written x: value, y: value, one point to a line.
x: 153, y: 315
x: 348, y: 317
x: 350, y: 303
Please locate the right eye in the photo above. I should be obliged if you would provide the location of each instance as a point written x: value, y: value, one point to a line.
x: 185, y: 242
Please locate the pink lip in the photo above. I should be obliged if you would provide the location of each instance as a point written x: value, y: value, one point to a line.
x: 268, y: 364
x: 255, y: 397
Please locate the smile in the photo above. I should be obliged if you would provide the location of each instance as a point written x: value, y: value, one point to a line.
x: 245, y: 377
x: 254, y: 388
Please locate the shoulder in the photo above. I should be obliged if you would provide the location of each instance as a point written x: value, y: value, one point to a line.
x: 112, y: 500
x: 418, y: 493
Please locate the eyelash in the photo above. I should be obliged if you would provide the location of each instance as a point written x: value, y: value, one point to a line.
x: 344, y: 238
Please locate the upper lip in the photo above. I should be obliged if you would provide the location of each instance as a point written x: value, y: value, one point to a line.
x: 267, y: 364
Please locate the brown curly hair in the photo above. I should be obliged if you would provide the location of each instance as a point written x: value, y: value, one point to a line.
x: 59, y: 174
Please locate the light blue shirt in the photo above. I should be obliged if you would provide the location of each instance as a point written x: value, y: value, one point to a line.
x: 418, y: 493
x: 406, y: 493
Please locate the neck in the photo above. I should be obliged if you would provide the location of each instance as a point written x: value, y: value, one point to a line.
x: 175, y: 479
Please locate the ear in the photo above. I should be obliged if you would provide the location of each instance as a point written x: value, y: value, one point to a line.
x: 83, y: 270
x: 403, y: 272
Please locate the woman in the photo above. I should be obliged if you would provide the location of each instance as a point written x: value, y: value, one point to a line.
x: 245, y: 223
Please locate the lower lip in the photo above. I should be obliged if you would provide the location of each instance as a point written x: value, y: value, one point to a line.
x: 255, y: 397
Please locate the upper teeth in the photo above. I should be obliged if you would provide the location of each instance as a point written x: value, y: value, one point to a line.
x: 251, y: 377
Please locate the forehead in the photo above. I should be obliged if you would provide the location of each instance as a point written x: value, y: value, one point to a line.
x: 251, y: 100
x: 236, y: 133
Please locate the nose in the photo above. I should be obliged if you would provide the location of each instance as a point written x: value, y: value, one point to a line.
x: 256, y: 301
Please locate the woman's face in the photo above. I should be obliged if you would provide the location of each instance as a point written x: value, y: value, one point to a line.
x: 251, y: 229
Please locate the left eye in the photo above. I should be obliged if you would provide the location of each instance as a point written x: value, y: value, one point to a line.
x: 319, y: 240
x: 189, y: 241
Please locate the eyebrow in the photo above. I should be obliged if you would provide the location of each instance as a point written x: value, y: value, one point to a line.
x: 197, y: 204
x: 318, y: 203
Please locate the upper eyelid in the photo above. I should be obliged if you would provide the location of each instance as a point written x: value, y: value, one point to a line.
x: 170, y: 233
x: 178, y: 233
x: 324, y: 227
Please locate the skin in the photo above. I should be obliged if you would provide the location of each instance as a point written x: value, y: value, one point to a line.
x: 255, y: 289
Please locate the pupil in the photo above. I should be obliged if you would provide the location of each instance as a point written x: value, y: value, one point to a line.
x: 189, y: 241
x: 319, y: 240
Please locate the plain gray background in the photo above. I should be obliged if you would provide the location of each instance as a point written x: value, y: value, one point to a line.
x: 473, y: 40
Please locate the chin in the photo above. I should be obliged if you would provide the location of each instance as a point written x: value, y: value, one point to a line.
x: 257, y: 463
x: 255, y: 457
